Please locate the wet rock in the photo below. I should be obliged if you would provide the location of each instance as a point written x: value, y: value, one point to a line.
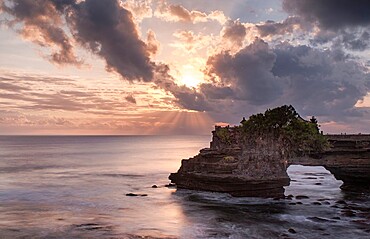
x: 285, y: 236
x: 292, y: 203
x: 348, y: 213
x: 170, y: 185
x: 336, y: 218
x: 136, y: 195
x: 300, y: 203
x: 154, y: 186
x: 318, y: 219
x: 318, y: 183
x: 291, y: 230
x: 316, y: 203
x: 131, y: 195
x: 299, y: 197
x: 341, y: 202
x: 92, y: 227
x: 363, y: 222
x: 310, y: 178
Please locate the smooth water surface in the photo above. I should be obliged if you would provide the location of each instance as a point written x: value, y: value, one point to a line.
x: 76, y: 186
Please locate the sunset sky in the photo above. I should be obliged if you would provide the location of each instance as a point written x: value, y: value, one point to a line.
x: 179, y: 67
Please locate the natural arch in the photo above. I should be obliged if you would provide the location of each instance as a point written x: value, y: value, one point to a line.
x: 252, y: 159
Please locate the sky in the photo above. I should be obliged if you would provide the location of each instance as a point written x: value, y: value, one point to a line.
x: 180, y: 67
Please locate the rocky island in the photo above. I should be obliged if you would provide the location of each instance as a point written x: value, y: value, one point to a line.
x: 251, y: 159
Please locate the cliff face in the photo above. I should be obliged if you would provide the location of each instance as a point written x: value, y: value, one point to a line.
x: 236, y: 165
x: 348, y: 159
x: 256, y: 166
x: 252, y: 159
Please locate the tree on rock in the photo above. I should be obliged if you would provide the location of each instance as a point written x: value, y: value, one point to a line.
x: 285, y: 123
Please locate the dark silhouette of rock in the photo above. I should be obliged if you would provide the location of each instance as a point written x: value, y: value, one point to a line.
x: 299, y: 197
x: 136, y: 195
x: 341, y: 202
x: 154, y: 186
x: 291, y: 230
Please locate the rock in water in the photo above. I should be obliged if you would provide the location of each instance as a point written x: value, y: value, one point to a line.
x: 254, y: 168
x: 251, y: 159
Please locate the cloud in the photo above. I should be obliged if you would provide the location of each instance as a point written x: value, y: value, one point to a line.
x: 130, y: 99
x: 187, y: 98
x: 178, y: 13
x: 42, y: 24
x: 108, y: 30
x: 190, y: 42
x: 320, y: 82
x: 152, y: 43
x: 235, y: 32
x: 6, y: 84
x: 289, y: 25
x: 324, y: 83
x: 23, y: 92
x: 247, y: 73
x: 103, y: 27
x: 331, y: 14
x: 141, y: 9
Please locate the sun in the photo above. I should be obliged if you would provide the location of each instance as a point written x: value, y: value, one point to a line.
x: 190, y: 80
x: 190, y: 76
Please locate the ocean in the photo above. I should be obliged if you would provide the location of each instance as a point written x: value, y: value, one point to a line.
x: 76, y: 186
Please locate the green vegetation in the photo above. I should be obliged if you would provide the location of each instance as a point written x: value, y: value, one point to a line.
x: 284, y: 122
x: 224, y: 135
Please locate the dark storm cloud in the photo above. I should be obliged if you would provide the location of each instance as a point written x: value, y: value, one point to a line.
x: 336, y: 23
x: 108, y: 30
x: 272, y: 28
x: 248, y: 72
x: 331, y: 14
x: 103, y: 27
x: 42, y: 25
x: 320, y: 82
x: 316, y: 82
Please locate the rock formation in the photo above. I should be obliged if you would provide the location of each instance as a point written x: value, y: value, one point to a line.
x: 252, y: 159
x: 348, y: 159
x: 247, y: 160
x: 257, y: 169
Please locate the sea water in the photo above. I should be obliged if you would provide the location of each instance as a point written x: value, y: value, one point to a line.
x: 76, y: 186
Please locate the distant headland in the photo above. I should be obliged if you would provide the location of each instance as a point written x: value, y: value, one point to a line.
x: 251, y: 159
